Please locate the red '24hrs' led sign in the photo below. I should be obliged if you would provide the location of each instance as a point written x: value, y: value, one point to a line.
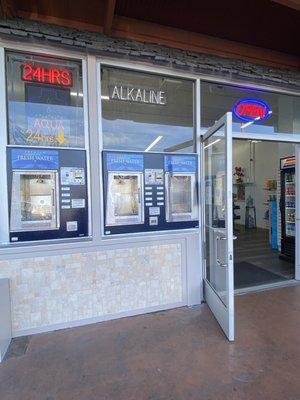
x: 251, y: 110
x: 52, y: 76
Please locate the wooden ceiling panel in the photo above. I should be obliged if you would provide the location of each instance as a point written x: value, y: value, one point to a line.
x: 89, y: 12
x: 261, y: 23
x: 262, y: 31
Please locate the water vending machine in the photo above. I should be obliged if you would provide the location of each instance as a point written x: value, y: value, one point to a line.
x: 146, y: 192
x: 47, y: 194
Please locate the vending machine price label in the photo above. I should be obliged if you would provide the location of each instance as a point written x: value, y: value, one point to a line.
x: 154, y: 211
x: 78, y: 203
x: 72, y: 226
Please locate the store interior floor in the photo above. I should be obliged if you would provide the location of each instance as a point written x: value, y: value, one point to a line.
x: 259, y: 225
x: 255, y: 262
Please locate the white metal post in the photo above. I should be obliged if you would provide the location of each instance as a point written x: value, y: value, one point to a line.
x: 4, y: 215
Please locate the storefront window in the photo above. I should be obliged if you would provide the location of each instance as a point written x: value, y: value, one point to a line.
x: 254, y: 111
x: 146, y: 112
x: 45, y: 101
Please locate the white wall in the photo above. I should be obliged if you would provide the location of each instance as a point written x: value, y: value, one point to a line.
x: 241, y: 158
x: 266, y: 167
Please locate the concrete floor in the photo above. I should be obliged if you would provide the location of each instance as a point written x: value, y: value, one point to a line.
x: 173, y: 355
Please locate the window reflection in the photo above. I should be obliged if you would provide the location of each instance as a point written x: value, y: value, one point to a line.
x: 217, y: 99
x: 164, y: 108
x: 45, y: 101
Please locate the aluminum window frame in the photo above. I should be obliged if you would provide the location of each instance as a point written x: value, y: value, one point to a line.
x: 5, y: 245
x: 145, y: 68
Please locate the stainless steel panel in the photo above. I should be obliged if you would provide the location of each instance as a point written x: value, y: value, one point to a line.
x: 124, y: 199
x: 34, y: 201
x: 181, y: 197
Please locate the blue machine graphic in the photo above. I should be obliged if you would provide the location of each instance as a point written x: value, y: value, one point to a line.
x: 124, y: 162
x: 34, y: 159
x: 180, y: 163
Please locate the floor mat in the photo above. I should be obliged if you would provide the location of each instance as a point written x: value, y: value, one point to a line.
x: 247, y: 274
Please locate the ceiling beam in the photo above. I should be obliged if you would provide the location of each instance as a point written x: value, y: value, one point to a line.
x: 295, y: 4
x: 158, y: 34
x: 109, y: 16
x: 69, y: 23
x: 7, y: 9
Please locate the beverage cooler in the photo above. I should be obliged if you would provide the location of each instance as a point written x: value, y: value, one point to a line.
x: 146, y: 192
x: 287, y: 208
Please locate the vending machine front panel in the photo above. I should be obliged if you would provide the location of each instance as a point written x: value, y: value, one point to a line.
x: 124, y: 199
x: 47, y: 192
x: 34, y: 201
x: 147, y: 192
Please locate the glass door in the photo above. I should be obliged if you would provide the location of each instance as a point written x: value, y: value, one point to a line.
x: 218, y: 281
x: 297, y: 212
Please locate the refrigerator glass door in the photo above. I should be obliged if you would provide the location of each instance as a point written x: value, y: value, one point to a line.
x: 181, y: 197
x: 34, y: 201
x: 124, y: 199
x: 289, y: 183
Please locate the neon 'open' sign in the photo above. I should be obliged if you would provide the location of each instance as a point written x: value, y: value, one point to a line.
x: 251, y: 110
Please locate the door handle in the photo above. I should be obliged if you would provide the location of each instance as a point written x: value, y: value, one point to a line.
x: 53, y: 198
x: 225, y: 238
x: 220, y: 264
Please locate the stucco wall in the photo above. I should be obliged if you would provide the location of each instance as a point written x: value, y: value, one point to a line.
x: 62, y: 288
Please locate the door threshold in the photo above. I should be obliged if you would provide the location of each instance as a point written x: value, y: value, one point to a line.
x: 268, y: 286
